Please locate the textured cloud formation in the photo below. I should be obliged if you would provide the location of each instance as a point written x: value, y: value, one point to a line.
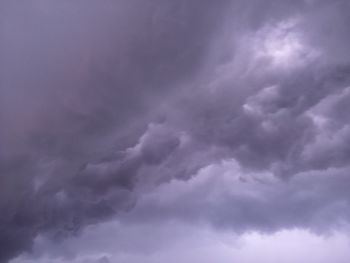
x: 78, y: 81
x: 102, y: 103
x: 188, y: 243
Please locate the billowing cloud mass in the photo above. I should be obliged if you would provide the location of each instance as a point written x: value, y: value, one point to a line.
x: 227, y: 115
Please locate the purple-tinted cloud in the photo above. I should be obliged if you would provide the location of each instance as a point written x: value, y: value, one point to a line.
x: 102, y: 103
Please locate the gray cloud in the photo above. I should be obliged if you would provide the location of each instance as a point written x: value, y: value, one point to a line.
x: 77, y: 82
x: 228, y: 197
x: 102, y: 103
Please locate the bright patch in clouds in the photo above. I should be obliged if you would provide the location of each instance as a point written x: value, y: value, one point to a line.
x: 282, y: 45
x: 282, y: 49
x: 193, y: 243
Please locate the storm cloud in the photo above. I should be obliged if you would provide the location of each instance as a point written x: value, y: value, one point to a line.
x: 230, y: 113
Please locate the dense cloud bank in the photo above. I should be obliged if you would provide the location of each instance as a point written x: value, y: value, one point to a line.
x: 103, y: 102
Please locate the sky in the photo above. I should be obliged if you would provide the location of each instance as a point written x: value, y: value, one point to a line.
x: 174, y: 131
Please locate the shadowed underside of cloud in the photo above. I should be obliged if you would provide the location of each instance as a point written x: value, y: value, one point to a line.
x: 102, y: 104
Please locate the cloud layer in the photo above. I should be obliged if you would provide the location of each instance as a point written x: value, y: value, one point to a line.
x: 231, y: 113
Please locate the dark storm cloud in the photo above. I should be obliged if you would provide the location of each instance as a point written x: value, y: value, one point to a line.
x: 78, y: 80
x: 262, y: 114
x: 101, y: 102
x: 227, y: 197
x: 288, y: 120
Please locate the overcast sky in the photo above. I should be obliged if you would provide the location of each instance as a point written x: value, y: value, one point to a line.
x: 152, y: 131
